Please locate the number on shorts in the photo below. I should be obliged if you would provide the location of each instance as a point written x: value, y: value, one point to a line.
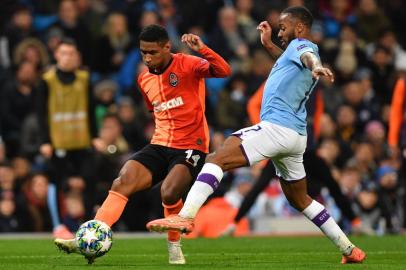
x: 192, y: 159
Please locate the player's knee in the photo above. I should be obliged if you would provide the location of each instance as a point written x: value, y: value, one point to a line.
x: 170, y: 194
x: 215, y: 158
x: 124, y: 184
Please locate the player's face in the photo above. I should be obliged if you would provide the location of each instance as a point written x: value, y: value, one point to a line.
x: 154, y: 54
x: 287, y: 26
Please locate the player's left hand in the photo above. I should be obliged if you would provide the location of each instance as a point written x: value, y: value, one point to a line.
x: 322, y: 71
x: 193, y: 41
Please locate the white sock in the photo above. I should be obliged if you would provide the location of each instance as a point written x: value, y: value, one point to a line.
x: 206, y: 183
x: 320, y: 217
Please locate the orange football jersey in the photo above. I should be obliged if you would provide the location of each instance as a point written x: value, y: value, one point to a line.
x: 177, y: 98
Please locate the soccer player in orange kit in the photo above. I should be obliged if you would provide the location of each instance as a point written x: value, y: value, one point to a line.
x: 174, y: 89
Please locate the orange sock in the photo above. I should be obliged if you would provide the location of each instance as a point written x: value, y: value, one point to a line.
x: 112, y: 208
x: 173, y: 236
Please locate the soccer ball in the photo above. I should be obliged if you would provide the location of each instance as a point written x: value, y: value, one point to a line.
x: 94, y: 238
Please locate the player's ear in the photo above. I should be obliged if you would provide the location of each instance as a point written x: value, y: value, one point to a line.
x: 299, y: 28
x: 167, y: 46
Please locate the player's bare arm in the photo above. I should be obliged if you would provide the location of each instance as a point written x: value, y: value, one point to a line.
x: 193, y: 41
x: 313, y: 63
x: 265, y: 30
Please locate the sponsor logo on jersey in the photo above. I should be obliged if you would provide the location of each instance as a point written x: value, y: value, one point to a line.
x: 173, y: 79
x: 170, y: 104
x: 301, y: 47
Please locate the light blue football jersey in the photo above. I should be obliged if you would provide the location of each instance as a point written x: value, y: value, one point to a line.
x: 288, y: 87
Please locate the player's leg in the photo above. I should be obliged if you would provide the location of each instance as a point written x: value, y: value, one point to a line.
x: 134, y: 176
x: 319, y: 172
x: 173, y: 187
x: 291, y: 169
x: 232, y: 154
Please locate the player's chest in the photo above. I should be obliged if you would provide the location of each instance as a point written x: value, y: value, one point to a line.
x: 167, y: 86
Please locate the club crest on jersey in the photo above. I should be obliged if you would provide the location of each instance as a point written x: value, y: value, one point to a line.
x: 173, y: 79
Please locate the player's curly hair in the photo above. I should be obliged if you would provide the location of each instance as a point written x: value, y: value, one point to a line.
x: 154, y: 33
x: 301, y: 13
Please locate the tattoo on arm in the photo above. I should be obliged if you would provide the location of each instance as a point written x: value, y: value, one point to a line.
x: 310, y: 60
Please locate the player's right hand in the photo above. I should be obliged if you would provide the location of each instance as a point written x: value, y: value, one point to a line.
x: 193, y: 41
x: 265, y: 30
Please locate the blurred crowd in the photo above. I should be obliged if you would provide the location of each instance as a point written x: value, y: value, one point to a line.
x: 362, y: 41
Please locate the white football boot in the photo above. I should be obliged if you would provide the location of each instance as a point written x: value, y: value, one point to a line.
x: 175, y: 253
x: 67, y: 245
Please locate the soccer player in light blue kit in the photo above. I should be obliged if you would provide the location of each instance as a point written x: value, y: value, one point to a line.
x: 281, y: 134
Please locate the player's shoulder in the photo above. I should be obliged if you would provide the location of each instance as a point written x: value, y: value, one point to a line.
x: 300, y: 44
x: 144, y: 73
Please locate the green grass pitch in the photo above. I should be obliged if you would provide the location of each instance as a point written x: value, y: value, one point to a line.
x: 313, y: 253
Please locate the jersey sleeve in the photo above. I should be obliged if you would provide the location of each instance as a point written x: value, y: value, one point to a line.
x: 211, y: 65
x: 297, y: 48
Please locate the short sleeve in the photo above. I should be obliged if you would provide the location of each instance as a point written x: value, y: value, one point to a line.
x: 297, y: 48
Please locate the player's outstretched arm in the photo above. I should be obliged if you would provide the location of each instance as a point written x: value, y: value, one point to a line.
x: 265, y: 30
x: 313, y: 63
x: 218, y: 66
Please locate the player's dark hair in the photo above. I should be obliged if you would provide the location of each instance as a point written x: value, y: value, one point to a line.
x: 154, y: 33
x: 301, y: 13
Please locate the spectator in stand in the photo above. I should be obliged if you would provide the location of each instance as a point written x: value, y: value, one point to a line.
x: 31, y: 50
x: 75, y: 211
x: 231, y: 113
x: 347, y: 55
x: 382, y: 74
x: 67, y: 124
x: 336, y: 13
x: 375, y: 134
x: 363, y: 197
x: 113, y: 46
x: 16, y: 103
x: 19, y: 28
x: 228, y: 40
x: 171, y: 20
x: 370, y: 20
x: 104, y: 93
x: 355, y: 96
x: 247, y: 22
x: 71, y: 26
x: 132, y: 123
x: 52, y: 40
x: 8, y: 218
x: 346, y: 120
x: 35, y: 192
x: 389, y: 197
